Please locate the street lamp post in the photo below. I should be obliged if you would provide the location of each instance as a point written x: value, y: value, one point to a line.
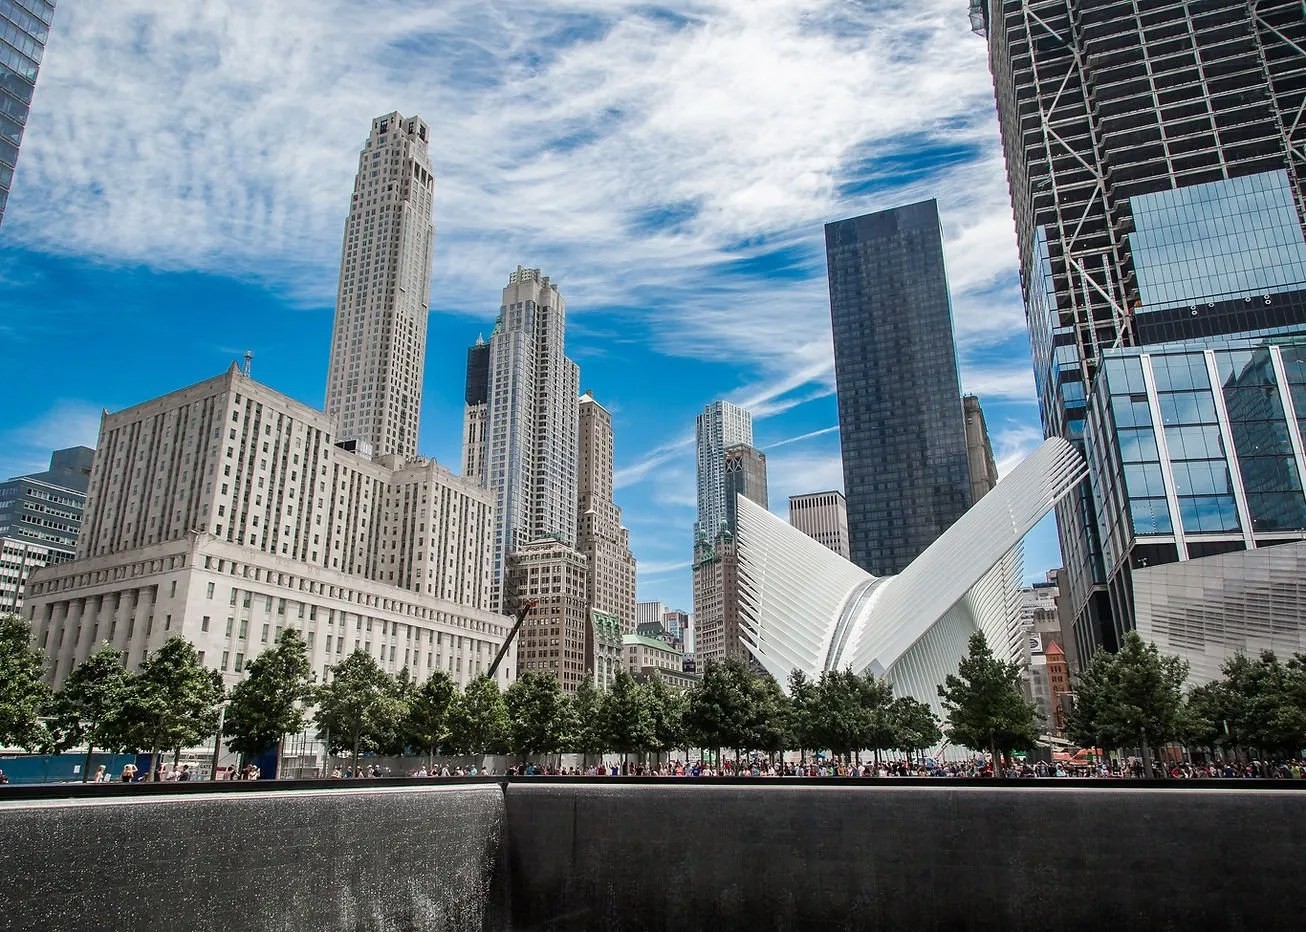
x: 217, y: 742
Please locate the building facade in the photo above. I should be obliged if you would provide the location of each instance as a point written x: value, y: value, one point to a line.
x: 720, y: 426
x: 716, y: 560
x: 647, y: 657
x: 610, y: 580
x: 24, y: 31
x: 822, y: 516
x: 745, y: 474
x: 40, y: 517
x: 224, y: 511
x: 529, y: 440
x: 556, y: 636
x: 979, y: 450
x: 606, y: 654
x: 378, y: 344
x: 901, y: 425
x: 1156, y: 156
x: 646, y: 612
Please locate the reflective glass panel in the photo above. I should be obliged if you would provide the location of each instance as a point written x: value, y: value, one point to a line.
x: 1235, y: 237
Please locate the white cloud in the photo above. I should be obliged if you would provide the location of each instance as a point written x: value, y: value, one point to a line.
x: 231, y: 128
x: 801, y: 437
x: 27, y: 448
x: 795, y: 473
x: 1012, y: 442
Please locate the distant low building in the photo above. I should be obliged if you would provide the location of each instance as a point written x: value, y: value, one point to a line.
x: 646, y: 657
x: 822, y: 516
x: 40, y: 517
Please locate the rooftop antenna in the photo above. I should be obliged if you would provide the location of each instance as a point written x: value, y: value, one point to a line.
x: 249, y: 358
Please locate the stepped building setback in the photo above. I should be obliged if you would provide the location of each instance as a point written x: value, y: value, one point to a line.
x: 378, y: 345
x: 225, y: 512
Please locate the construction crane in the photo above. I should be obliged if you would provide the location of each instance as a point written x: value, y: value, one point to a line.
x: 520, y: 614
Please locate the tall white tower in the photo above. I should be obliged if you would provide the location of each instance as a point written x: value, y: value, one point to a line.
x: 720, y: 426
x: 530, y: 421
x: 378, y: 345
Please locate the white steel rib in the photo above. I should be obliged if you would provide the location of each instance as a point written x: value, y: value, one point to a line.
x: 805, y: 607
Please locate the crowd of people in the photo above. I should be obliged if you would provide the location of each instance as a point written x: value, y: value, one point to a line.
x: 1128, y: 768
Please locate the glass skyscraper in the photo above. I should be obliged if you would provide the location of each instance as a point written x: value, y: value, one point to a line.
x: 906, y: 477
x: 24, y: 29
x: 1156, y: 153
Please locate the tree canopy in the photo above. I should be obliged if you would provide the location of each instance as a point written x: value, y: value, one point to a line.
x: 170, y: 703
x: 85, y: 707
x: 1131, y: 697
x: 985, y: 707
x: 23, y: 691
x: 269, y: 702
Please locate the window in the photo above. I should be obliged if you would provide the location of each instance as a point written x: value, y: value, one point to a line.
x: 209, y: 591
x: 204, y: 623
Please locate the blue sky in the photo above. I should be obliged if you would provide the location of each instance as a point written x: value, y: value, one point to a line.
x: 182, y: 188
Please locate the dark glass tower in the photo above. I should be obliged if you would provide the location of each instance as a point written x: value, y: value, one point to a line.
x: 24, y: 29
x: 1156, y: 153
x: 905, y: 471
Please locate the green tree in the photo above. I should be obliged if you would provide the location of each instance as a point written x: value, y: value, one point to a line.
x: 23, y: 692
x: 770, y: 726
x: 718, y: 711
x: 839, y: 716
x: 478, y: 721
x: 915, y: 727
x: 428, y: 713
x: 585, y: 713
x: 171, y: 703
x: 666, y: 711
x: 1133, y: 695
x: 986, y: 709
x: 391, y: 735
x: 802, y: 702
x: 1257, y: 703
x: 357, y: 705
x: 624, y: 712
x: 84, y: 708
x: 269, y: 702
x: 538, y: 716
x: 876, y: 698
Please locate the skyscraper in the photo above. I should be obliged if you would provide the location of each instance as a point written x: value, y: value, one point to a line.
x: 378, y: 345
x: 822, y: 516
x: 716, y: 561
x: 610, y: 577
x: 720, y: 426
x: 1155, y: 157
x: 900, y: 412
x: 744, y: 474
x: 528, y: 444
x: 24, y: 30
x: 979, y: 450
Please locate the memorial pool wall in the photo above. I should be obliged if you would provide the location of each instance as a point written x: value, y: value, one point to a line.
x: 618, y: 854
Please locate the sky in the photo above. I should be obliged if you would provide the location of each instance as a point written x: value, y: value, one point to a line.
x: 187, y: 167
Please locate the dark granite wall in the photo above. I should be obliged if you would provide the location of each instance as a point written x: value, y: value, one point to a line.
x: 916, y: 858
x: 664, y: 855
x: 365, y: 858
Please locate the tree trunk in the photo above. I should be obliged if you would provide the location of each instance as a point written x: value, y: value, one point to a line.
x: 993, y: 750
x: 357, y: 739
x: 281, y: 746
x: 1147, y: 756
x: 86, y: 764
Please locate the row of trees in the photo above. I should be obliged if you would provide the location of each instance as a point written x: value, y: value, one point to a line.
x: 1135, y: 698
x: 173, y: 702
x: 1132, y: 699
